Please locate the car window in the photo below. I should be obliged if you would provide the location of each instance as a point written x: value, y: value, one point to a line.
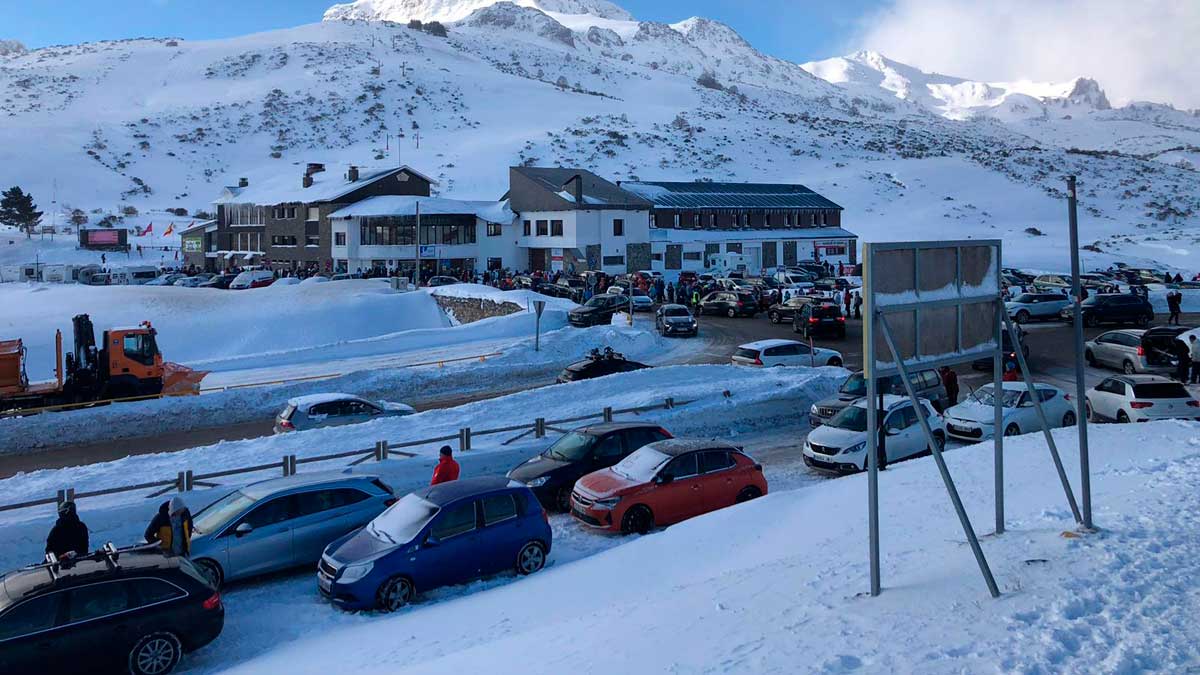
x: 683, y: 466
x: 33, y: 615
x: 897, y: 420
x: 932, y: 379
x: 454, y: 521
x: 1160, y: 390
x: 910, y: 416
x: 97, y: 600
x: 715, y: 460
x: 308, y: 503
x: 275, y: 511
x: 323, y: 409
x: 1046, y: 394
x: 636, y: 438
x: 497, y: 508
x: 610, y: 447
x: 148, y: 591
x: 1107, y: 339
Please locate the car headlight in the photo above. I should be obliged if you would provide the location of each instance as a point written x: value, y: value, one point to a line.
x: 538, y: 482
x: 606, y: 503
x: 352, y: 573
x: 814, y: 410
x: 858, y: 447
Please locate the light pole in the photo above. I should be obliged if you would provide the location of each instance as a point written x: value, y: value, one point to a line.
x: 1085, y: 480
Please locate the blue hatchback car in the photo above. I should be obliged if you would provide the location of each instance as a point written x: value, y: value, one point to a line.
x: 437, y: 536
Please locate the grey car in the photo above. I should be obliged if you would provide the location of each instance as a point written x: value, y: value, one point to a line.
x: 329, y: 410
x: 1134, y: 350
x: 928, y: 384
x: 282, y: 523
x: 1029, y: 306
x: 675, y: 320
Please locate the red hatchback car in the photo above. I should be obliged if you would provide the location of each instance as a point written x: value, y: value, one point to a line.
x: 666, y: 482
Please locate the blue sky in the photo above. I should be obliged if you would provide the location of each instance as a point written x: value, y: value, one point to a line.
x: 797, y: 30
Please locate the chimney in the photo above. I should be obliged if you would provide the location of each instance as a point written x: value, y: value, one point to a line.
x: 352, y: 174
x: 313, y: 167
x: 243, y: 182
x: 308, y: 180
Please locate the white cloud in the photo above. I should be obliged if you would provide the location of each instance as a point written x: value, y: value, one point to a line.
x: 1136, y: 49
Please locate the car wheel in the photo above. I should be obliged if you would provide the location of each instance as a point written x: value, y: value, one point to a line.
x: 1012, y: 430
x: 211, y: 571
x: 1090, y: 320
x: 1142, y: 321
x: 637, y: 519
x: 774, y: 316
x: 1127, y: 367
x: 835, y: 361
x: 731, y: 312
x: 155, y: 654
x: 939, y: 440
x: 1088, y: 412
x: 1022, y: 316
x: 562, y: 499
x: 749, y: 492
x: 1090, y: 358
x: 394, y: 594
x: 531, y: 558
x: 1122, y: 418
x: 1069, y: 419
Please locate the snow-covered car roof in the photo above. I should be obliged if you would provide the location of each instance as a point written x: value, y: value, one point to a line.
x: 889, y: 401
x: 306, y: 402
x: 1020, y: 386
x: 764, y: 344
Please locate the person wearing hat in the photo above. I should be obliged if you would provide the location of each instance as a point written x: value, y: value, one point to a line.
x: 446, y: 469
x: 159, y: 529
x: 69, y: 536
x: 181, y: 528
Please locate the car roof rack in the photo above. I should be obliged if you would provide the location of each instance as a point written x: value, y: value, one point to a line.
x: 108, y: 553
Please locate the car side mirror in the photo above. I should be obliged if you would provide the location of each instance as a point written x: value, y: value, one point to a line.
x: 892, y: 431
x: 663, y: 479
x: 243, y: 529
x: 432, y: 542
x: 1026, y: 404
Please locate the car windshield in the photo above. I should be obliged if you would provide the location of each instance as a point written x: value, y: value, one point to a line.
x: 217, y: 514
x: 852, y: 418
x: 856, y: 385
x: 402, y: 520
x: 1008, y: 400
x: 642, y: 465
x: 1160, y: 390
x: 676, y: 311
x: 596, y: 301
x: 571, y: 448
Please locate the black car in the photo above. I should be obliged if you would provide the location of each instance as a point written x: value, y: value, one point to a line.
x: 558, y: 291
x: 819, y: 318
x: 1009, y: 355
x: 552, y: 474
x: 728, y: 303
x: 675, y: 320
x: 134, y: 610
x: 598, y: 364
x: 1112, y: 308
x: 784, y: 311
x: 221, y: 281
x: 598, y: 311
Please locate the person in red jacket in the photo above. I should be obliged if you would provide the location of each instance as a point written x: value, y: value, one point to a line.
x: 446, y: 469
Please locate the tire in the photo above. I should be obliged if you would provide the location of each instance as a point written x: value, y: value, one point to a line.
x: 940, y: 439
x: 1022, y: 316
x: 1012, y: 430
x: 1142, y: 321
x: 1122, y: 418
x: 774, y: 317
x: 394, y: 594
x: 749, y: 492
x: 1128, y: 368
x: 531, y: 558
x: 1090, y: 358
x: 211, y: 571
x: 155, y: 654
x: 562, y: 499
x: 1069, y: 419
x: 835, y: 361
x: 1090, y: 320
x: 731, y: 313
x: 1088, y: 412
x: 638, y: 519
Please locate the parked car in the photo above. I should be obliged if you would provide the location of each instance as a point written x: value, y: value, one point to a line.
x: 729, y: 304
x: 1140, y: 398
x: 558, y: 291
x: 675, y: 320
x: 840, y: 445
x: 667, y: 482
x: 316, y: 279
x: 1133, y: 350
x: 688, y: 277
x: 1059, y: 282
x: 132, y: 610
x: 1029, y: 306
x: 188, y: 282
x: 784, y: 311
x: 437, y: 536
x: 641, y: 300
x: 598, y: 310
x: 975, y: 418
x: 927, y: 383
x: 552, y: 474
x: 771, y: 353
x: 285, y: 281
x: 221, y: 281
x: 1112, y: 308
x: 252, y: 279
x: 1008, y: 353
x: 442, y: 281
x: 819, y: 318
x: 330, y: 410
x: 282, y: 523
x: 165, y: 280
x: 343, y: 276
x: 598, y: 364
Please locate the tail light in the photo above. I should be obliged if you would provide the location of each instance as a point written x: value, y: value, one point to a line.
x: 758, y: 361
x: 286, y: 424
x: 1141, y: 351
x: 1194, y: 403
x: 814, y: 320
x: 389, y: 501
x: 739, y: 303
x: 1066, y: 397
x: 666, y: 433
x: 1138, y: 405
x: 213, y: 603
x: 842, y: 319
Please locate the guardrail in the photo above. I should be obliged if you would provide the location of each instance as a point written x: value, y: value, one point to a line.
x: 188, y: 480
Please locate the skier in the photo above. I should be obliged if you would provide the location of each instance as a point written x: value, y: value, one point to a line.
x: 446, y: 469
x: 69, y: 536
x: 181, y: 528
x: 950, y: 379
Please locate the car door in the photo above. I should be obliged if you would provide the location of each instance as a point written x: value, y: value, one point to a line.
x: 718, y: 470
x: 501, y: 534
x: 1105, y: 398
x: 448, y: 555
x: 100, y: 614
x: 1102, y: 349
x: 268, y: 545
x: 896, y: 432
x: 609, y: 450
x: 31, y: 637
x: 323, y: 515
x: 683, y: 495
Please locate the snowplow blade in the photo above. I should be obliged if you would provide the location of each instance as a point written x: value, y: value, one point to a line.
x: 180, y: 380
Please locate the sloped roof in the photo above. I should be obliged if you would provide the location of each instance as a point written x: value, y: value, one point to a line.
x: 396, y: 205
x: 677, y: 195
x: 597, y: 191
x: 287, y: 187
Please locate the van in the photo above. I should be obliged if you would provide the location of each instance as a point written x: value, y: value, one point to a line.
x: 138, y: 275
x: 252, y: 279
x: 926, y: 381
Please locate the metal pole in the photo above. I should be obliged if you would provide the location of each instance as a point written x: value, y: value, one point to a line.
x: 872, y: 423
x: 941, y: 463
x: 1085, y: 481
x: 998, y: 418
x: 417, y: 271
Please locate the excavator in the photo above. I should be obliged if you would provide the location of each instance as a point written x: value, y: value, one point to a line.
x: 125, y: 365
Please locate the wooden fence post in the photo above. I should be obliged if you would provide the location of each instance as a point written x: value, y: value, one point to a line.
x: 181, y: 482
x: 464, y: 439
x: 189, y: 482
x: 670, y: 403
x: 608, y: 414
x: 539, y: 427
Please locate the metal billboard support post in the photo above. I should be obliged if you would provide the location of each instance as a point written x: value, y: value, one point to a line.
x: 538, y: 307
x: 1085, y: 481
x: 872, y: 425
x: 998, y: 417
x: 941, y: 462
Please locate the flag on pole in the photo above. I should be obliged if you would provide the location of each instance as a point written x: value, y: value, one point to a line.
x: 148, y: 230
x: 169, y: 230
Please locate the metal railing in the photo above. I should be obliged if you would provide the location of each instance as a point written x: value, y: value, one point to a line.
x: 188, y: 480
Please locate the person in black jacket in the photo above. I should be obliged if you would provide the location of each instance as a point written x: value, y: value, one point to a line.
x: 69, y: 536
x: 159, y: 529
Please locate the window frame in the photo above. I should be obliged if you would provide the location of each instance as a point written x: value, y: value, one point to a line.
x: 618, y: 226
x: 482, y: 512
x: 473, y: 502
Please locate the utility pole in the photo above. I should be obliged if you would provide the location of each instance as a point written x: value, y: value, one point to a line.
x: 417, y: 240
x: 1085, y: 480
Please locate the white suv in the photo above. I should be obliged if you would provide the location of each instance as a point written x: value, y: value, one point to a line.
x: 768, y: 353
x: 1141, y: 398
x: 840, y: 445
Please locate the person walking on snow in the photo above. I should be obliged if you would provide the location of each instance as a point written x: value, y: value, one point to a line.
x: 1174, y: 304
x: 69, y: 536
x: 446, y: 469
x: 181, y: 528
x: 950, y: 379
x: 1183, y: 360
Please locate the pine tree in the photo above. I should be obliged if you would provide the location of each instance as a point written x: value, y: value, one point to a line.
x: 18, y: 210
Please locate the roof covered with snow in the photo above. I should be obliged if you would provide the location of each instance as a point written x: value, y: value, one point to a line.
x: 492, y: 212
x: 774, y: 234
x: 706, y: 195
x: 287, y: 187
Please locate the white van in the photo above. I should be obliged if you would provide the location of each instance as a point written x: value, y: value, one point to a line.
x: 252, y: 279
x: 136, y: 275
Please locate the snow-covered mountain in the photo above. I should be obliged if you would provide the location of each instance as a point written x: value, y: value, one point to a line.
x: 11, y: 48
x: 158, y: 123
x: 402, y: 11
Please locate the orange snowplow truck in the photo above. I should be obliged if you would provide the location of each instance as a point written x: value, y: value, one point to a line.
x: 126, y: 364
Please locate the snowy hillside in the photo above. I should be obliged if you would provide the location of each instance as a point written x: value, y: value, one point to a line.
x: 161, y: 123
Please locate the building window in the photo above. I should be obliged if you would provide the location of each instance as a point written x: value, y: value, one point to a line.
x: 543, y: 228
x: 696, y: 220
x: 339, y: 238
x: 494, y: 230
x: 693, y: 255
x: 556, y: 229
x: 614, y: 260
x: 527, y: 230
x: 676, y: 220
x: 312, y: 240
x: 314, y: 213
x: 284, y: 212
x: 282, y: 240
x: 618, y: 231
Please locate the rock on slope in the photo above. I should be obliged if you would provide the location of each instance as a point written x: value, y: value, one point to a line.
x: 401, y: 11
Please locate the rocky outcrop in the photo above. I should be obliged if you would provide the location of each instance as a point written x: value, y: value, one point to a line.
x: 470, y: 310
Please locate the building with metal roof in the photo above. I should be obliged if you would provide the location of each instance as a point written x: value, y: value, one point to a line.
x: 746, y: 196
